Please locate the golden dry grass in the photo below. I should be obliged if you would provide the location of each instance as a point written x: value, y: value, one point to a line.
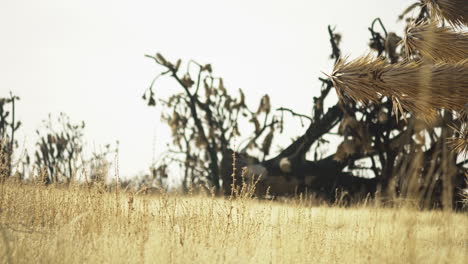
x: 52, y: 225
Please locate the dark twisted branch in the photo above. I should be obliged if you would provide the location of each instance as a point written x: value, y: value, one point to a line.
x: 194, y: 102
x: 294, y: 113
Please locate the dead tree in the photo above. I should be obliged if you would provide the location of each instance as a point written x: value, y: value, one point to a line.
x: 403, y: 162
x: 204, y: 119
x: 379, y: 140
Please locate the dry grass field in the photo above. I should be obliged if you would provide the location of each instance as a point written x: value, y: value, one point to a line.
x: 41, y: 224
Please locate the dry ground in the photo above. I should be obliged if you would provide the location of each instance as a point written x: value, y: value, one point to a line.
x: 55, y: 225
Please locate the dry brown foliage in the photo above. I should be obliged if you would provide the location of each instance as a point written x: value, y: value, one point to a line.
x: 436, y: 43
x: 454, y: 11
x: 460, y: 142
x: 416, y: 87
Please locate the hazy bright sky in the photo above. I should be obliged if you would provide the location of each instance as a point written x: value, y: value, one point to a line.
x: 86, y: 58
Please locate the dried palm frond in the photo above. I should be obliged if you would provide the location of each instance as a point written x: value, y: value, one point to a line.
x: 419, y: 88
x: 460, y: 141
x: 436, y: 43
x: 353, y: 78
x: 454, y: 11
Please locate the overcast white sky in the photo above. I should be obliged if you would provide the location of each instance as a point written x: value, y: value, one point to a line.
x: 86, y: 57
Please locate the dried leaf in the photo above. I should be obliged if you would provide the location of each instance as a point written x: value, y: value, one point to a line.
x: 161, y: 59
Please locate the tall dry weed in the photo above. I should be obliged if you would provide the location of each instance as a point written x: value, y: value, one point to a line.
x: 52, y: 224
